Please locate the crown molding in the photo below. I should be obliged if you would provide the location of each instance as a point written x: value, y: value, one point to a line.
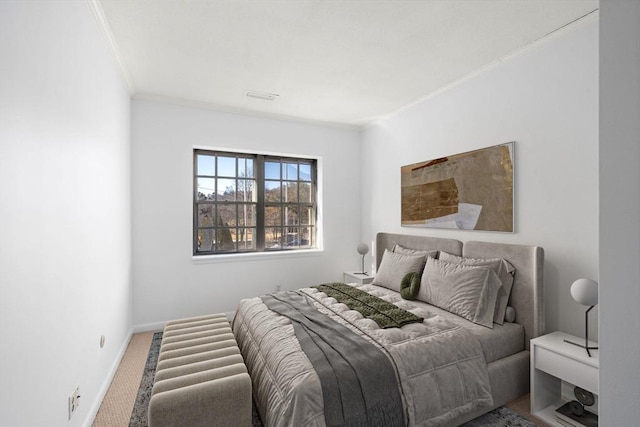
x: 226, y: 109
x: 105, y: 29
x: 551, y: 36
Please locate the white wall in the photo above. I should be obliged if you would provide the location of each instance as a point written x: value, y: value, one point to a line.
x: 65, y: 222
x: 620, y: 212
x: 545, y: 99
x: 169, y: 284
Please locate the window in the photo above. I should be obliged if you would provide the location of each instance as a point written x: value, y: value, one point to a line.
x: 253, y: 203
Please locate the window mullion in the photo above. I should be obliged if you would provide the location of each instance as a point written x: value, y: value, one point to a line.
x: 260, y: 194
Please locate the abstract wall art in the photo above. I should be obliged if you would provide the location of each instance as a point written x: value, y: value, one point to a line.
x: 467, y: 191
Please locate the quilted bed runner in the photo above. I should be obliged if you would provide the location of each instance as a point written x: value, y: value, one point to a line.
x: 385, y: 314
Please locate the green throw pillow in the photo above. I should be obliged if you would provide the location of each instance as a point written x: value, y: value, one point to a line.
x: 410, y: 285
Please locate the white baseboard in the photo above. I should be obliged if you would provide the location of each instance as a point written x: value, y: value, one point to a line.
x: 159, y: 326
x: 107, y: 382
x: 136, y: 329
x: 149, y: 327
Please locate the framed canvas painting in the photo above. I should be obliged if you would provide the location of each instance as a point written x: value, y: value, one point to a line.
x: 467, y: 191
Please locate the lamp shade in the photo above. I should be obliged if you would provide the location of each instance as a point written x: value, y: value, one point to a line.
x: 363, y: 249
x: 585, y: 291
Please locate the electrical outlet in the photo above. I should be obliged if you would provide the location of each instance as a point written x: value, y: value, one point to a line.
x: 277, y: 288
x: 74, y: 401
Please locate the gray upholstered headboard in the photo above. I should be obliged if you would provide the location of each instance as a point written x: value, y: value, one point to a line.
x: 388, y: 241
x: 527, y: 293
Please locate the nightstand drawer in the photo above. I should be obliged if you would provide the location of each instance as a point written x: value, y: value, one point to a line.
x: 572, y: 371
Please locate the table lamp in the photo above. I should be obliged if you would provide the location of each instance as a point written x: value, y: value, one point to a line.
x: 363, y: 249
x: 585, y: 291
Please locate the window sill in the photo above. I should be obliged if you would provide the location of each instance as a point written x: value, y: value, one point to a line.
x: 255, y: 256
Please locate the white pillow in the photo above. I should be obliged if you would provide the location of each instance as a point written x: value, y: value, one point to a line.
x: 394, y: 267
x: 468, y: 291
x: 501, y: 267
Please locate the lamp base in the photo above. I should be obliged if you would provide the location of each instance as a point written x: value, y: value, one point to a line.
x: 585, y: 346
x: 586, y: 333
x: 363, y: 273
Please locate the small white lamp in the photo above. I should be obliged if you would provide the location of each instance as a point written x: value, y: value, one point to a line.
x: 363, y: 249
x: 585, y: 291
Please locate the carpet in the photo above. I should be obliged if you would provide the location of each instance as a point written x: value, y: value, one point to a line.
x: 500, y: 417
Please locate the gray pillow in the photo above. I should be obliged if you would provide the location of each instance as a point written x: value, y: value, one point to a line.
x: 468, y: 291
x: 510, y: 314
x: 502, y: 268
x: 394, y: 267
x: 399, y: 249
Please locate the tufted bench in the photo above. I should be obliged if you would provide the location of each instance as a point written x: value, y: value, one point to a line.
x: 201, y: 378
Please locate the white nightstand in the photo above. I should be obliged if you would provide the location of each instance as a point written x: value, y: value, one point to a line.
x: 556, y: 367
x: 355, y: 277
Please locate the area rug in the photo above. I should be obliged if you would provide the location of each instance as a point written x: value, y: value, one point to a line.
x: 139, y: 414
x: 500, y: 417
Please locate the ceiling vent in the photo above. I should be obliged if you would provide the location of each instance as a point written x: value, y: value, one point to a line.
x: 261, y: 95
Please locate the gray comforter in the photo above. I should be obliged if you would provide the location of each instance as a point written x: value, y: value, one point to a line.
x: 440, y: 366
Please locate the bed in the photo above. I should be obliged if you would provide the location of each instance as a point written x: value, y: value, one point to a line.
x: 445, y: 368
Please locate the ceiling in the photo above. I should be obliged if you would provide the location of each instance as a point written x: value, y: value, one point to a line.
x: 341, y: 62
